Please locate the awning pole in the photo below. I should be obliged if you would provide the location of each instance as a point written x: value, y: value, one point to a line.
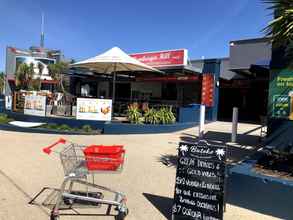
x: 114, y: 86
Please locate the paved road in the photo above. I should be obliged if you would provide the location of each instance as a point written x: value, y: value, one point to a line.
x: 148, y: 183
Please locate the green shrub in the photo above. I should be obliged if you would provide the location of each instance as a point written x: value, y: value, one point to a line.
x: 51, y: 126
x: 166, y: 115
x: 134, y: 115
x: 4, y: 119
x: 64, y: 127
x: 87, y: 128
x: 151, y: 116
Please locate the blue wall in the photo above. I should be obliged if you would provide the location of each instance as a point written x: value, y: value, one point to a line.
x: 213, y: 66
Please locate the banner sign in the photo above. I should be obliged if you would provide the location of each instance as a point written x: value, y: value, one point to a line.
x: 281, y: 94
x: 207, y: 91
x: 200, y: 181
x: 94, y: 109
x: 163, y: 58
x: 35, y: 105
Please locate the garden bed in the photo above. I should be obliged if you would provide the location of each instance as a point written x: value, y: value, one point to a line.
x: 50, y: 128
x: 276, y: 165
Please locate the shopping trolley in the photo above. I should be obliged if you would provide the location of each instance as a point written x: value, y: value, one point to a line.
x: 80, y: 163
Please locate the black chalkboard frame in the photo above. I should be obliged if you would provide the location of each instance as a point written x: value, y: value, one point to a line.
x: 225, y: 176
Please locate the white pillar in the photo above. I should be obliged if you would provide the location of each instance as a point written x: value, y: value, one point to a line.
x: 234, y: 125
x: 201, y: 121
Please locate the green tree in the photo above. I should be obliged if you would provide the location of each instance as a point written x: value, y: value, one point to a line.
x: 40, y: 68
x: 57, y: 71
x: 280, y: 29
x: 2, y: 82
x: 21, y: 76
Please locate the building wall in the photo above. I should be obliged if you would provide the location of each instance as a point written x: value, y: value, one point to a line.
x: 244, y: 53
x: 154, y: 87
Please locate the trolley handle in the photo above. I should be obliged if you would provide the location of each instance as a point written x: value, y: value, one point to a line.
x: 48, y: 149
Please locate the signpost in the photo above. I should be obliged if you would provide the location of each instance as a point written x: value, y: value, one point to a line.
x: 94, y: 109
x: 200, y: 182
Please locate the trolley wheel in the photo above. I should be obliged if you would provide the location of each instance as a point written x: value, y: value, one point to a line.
x: 54, y: 217
x: 122, y: 215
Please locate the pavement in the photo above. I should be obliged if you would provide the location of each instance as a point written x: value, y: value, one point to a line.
x: 148, y: 177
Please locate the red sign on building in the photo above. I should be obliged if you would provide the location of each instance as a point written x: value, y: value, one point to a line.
x: 163, y: 58
x: 207, y: 91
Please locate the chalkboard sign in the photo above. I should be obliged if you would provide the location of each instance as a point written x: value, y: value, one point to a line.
x: 200, y: 180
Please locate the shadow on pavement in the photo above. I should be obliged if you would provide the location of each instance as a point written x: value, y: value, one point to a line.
x: 246, y: 146
x: 265, y: 197
x: 268, y: 198
x: 163, y: 204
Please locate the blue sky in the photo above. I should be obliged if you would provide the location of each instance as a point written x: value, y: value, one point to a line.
x: 84, y: 28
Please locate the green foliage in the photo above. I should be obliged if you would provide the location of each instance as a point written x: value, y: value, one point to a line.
x: 280, y: 29
x: 4, y: 119
x: 21, y: 76
x: 134, y: 115
x: 87, y: 128
x: 56, y: 71
x: 166, y: 115
x: 2, y: 82
x: 40, y: 68
x: 51, y: 126
x: 151, y: 116
x: 64, y: 127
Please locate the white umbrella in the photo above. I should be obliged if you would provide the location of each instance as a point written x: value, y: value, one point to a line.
x: 112, y: 61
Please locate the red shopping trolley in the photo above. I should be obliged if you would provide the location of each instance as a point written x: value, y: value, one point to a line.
x: 79, y: 162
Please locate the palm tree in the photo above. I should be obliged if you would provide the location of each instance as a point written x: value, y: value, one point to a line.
x: 280, y: 29
x: 21, y: 76
x: 56, y: 71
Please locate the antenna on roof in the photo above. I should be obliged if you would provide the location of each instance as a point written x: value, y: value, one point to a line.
x: 42, y: 31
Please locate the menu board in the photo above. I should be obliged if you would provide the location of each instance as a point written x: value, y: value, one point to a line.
x: 200, y: 180
x: 281, y: 106
x: 207, y: 93
x: 35, y: 105
x: 94, y: 109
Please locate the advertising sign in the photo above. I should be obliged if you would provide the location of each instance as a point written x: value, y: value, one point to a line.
x: 35, y: 105
x: 207, y: 91
x: 281, y: 94
x: 200, y: 181
x: 36, y: 61
x: 8, y: 102
x: 163, y: 58
x: 94, y: 109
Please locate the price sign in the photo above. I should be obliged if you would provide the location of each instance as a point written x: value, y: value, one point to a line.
x: 207, y: 93
x: 200, y: 178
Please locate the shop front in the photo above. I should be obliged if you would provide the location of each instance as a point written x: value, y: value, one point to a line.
x: 164, y: 100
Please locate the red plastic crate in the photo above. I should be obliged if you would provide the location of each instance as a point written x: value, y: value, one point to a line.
x: 100, y: 157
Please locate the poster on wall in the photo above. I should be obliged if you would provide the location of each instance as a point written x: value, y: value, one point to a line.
x: 281, y: 95
x: 35, y: 105
x: 8, y: 102
x: 94, y: 109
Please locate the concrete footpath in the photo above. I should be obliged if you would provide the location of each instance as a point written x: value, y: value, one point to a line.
x: 147, y: 179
